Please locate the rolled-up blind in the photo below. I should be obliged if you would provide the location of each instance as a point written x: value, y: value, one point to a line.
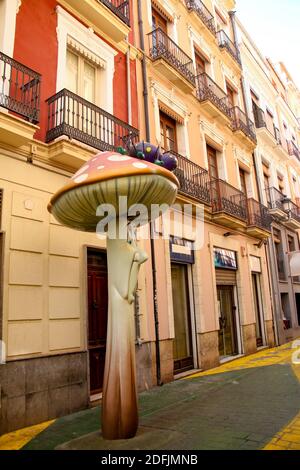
x: 225, y: 277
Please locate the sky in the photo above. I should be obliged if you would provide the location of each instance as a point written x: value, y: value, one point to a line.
x: 275, y: 27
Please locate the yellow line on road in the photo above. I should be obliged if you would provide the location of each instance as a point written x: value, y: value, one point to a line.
x: 18, y: 439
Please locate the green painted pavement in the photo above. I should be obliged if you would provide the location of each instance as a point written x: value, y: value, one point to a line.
x: 238, y: 409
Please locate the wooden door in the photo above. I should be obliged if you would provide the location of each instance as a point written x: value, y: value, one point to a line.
x: 200, y: 64
x: 212, y: 163
x: 158, y: 21
x: 97, y: 317
x: 230, y: 95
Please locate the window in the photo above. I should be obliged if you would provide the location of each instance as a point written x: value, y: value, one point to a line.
x: 158, y: 21
x: 200, y: 64
x: 168, y: 132
x: 231, y: 94
x: 221, y: 22
x: 280, y: 183
x: 291, y: 243
x: 81, y: 76
x: 212, y: 162
x: 243, y: 181
x: 279, y: 254
x: 270, y: 121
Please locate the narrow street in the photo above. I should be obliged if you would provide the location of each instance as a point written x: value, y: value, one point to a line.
x: 250, y: 403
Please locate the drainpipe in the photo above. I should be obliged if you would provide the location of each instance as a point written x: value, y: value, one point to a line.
x: 129, y: 102
x: 268, y: 250
x: 147, y: 126
x: 236, y: 43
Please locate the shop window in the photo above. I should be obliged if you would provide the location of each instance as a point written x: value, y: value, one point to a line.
x: 1, y: 286
x: 286, y: 311
x: 168, y: 133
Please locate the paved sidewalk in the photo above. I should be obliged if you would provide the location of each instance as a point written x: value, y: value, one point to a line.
x: 250, y: 403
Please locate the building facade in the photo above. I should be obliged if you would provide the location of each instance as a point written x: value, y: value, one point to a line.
x: 273, y: 103
x: 82, y: 77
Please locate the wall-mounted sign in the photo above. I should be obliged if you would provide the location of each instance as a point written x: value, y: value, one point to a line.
x: 255, y: 264
x: 225, y: 259
x: 181, y: 250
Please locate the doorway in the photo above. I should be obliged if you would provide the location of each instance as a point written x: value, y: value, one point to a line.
x: 183, y: 344
x: 259, y: 324
x: 298, y: 307
x: 97, y: 317
x: 228, y: 341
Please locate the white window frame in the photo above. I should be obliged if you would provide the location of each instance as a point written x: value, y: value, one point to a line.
x: 68, y: 27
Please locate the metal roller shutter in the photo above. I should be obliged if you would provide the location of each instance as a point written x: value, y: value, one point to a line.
x: 225, y: 277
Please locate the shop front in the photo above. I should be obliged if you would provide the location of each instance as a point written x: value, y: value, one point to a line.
x: 226, y: 282
x: 184, y: 346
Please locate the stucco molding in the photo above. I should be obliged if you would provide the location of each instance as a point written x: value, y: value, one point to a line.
x: 68, y: 28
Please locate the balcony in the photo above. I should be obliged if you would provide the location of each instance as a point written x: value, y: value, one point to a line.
x: 275, y: 200
x: 293, y: 216
x: 193, y: 179
x: 171, y: 61
x: 119, y: 8
x: 229, y: 205
x: 227, y: 45
x: 76, y: 118
x: 293, y: 150
x: 111, y: 17
x: 197, y: 7
x: 259, y: 219
x: 242, y: 125
x: 213, y: 99
x: 269, y: 137
x: 19, y: 94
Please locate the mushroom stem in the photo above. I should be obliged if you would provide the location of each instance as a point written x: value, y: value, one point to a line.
x: 120, y: 409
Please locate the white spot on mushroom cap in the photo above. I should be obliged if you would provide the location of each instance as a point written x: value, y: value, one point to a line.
x: 118, y: 158
x: 81, y: 178
x: 82, y: 170
x: 101, y: 167
x: 139, y: 165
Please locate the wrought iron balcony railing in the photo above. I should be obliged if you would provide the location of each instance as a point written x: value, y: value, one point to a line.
x: 293, y: 150
x: 225, y: 42
x: 203, y: 12
x: 207, y: 89
x: 193, y: 179
x: 241, y: 122
x: 259, y: 117
x: 161, y: 46
x: 74, y: 117
x: 19, y: 89
x: 275, y: 198
x: 258, y: 215
x: 294, y: 211
x: 228, y: 199
x: 120, y: 8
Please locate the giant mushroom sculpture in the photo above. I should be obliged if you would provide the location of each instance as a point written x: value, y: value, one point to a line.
x: 101, y: 181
